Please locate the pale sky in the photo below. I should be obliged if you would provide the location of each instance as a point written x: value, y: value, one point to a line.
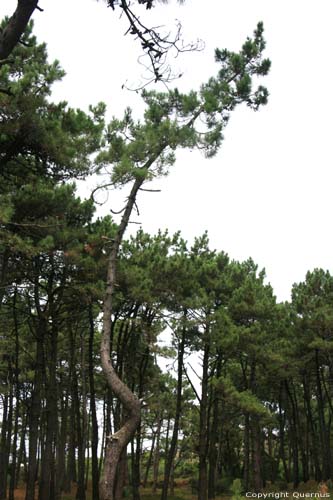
x: 268, y: 193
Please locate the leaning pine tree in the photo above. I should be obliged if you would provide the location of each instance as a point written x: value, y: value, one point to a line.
x: 141, y: 151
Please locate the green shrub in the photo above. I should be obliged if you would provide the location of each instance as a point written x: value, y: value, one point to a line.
x: 223, y: 485
x: 236, y: 489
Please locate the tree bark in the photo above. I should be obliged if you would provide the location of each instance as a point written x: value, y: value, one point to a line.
x: 94, y: 423
x: 174, y: 439
x: 294, y: 436
x: 257, y: 458
x: 16, y: 26
x: 246, y: 465
x: 282, y: 423
x: 213, y: 441
x: 203, y: 426
x: 150, y: 459
x: 17, y: 404
x: 34, y: 417
x: 80, y: 494
x: 61, y: 445
x: 156, y: 461
x: 4, y: 454
x: 122, y: 474
x: 47, y: 479
x: 310, y: 419
x: 324, y: 435
x: 118, y: 441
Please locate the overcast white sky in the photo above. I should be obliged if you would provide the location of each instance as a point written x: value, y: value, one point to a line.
x: 268, y: 193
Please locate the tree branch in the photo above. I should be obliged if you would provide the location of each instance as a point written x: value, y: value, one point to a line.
x: 16, y: 26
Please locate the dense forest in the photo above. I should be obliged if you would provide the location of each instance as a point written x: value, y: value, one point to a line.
x: 244, y: 400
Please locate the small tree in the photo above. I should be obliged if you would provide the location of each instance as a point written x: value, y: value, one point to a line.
x: 236, y: 489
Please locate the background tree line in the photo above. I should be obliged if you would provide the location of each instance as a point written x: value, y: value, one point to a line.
x: 259, y: 406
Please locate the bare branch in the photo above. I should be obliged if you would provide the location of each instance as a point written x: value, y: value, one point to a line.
x: 150, y: 190
x: 156, y: 46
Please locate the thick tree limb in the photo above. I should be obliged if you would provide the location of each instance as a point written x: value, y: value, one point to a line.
x: 12, y: 33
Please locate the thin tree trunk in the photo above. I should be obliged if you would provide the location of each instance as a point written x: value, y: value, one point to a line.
x: 71, y: 472
x: 17, y: 404
x: 81, y: 493
x: 203, y: 427
x: 35, y: 411
x: 324, y: 436
x: 136, y: 456
x: 21, y: 459
x: 282, y: 423
x: 213, y: 441
x: 61, y: 448
x: 294, y: 437
x: 172, y: 478
x: 246, y: 451
x: 150, y: 459
x: 156, y: 462
x: 3, y: 450
x: 174, y: 439
x: 47, y: 479
x: 257, y: 458
x: 166, y: 448
x: 94, y: 423
x: 4, y: 257
x: 310, y: 419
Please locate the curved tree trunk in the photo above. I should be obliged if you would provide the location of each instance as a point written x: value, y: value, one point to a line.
x: 116, y: 443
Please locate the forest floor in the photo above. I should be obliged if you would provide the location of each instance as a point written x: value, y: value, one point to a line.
x: 181, y: 493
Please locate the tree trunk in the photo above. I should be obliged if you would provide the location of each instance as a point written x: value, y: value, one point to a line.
x: 324, y: 435
x: 118, y: 441
x: 136, y: 457
x: 4, y: 257
x: 3, y: 449
x: 213, y: 441
x: 121, y: 476
x: 257, y: 458
x: 282, y: 423
x: 310, y: 419
x: 174, y: 439
x: 61, y: 447
x: 34, y: 417
x: 17, y: 404
x: 294, y: 436
x: 71, y: 472
x: 156, y: 462
x: 246, y: 451
x: 47, y: 479
x: 150, y: 459
x: 203, y: 427
x: 21, y: 458
x: 80, y: 494
x: 94, y: 423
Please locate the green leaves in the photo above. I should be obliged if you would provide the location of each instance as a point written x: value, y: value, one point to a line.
x: 170, y: 119
x: 244, y: 400
x: 38, y: 137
